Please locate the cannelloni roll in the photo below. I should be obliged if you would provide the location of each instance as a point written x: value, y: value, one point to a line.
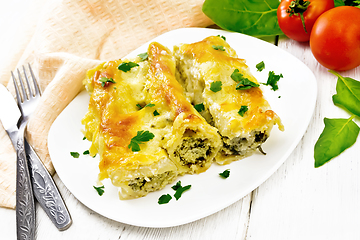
x: 213, y: 75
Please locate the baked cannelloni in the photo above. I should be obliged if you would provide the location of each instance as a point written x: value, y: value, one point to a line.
x: 141, y: 125
x: 213, y: 76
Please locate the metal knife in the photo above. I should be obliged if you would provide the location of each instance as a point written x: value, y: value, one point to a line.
x: 43, y: 186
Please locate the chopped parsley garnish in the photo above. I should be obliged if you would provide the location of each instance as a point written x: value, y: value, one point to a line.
x: 260, y: 66
x: 216, y: 86
x: 100, y: 190
x: 164, y: 199
x: 243, y: 110
x: 75, y: 154
x: 218, y: 47
x: 127, y: 66
x: 273, y: 80
x: 147, y: 105
x: 86, y: 152
x: 199, y: 107
x: 141, y: 137
x: 179, y: 189
x: 105, y: 80
x: 84, y: 138
x: 143, y: 56
x: 222, y: 37
x: 243, y: 82
x: 156, y: 113
x: 225, y: 174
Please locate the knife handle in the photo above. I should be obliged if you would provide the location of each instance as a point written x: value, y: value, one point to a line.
x: 25, y: 206
x: 46, y: 192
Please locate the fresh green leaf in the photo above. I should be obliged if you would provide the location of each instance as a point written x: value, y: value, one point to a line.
x: 75, y: 154
x: 105, y: 80
x: 260, y: 66
x: 225, y: 174
x: 199, y: 107
x: 216, y: 86
x: 347, y: 94
x: 141, y: 137
x: 156, y: 113
x: 179, y: 189
x: 338, y: 135
x: 255, y: 18
x: 339, y: 3
x: 100, y: 190
x: 354, y: 3
x: 127, y: 66
x: 243, y: 110
x: 84, y: 138
x: 218, y: 47
x: 176, y: 186
x: 143, y: 56
x: 150, y: 105
x: 164, y: 199
x: 243, y: 82
x: 86, y: 152
x: 273, y: 80
x: 222, y: 37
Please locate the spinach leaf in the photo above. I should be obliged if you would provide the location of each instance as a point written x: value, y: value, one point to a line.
x: 338, y: 135
x: 252, y: 17
x: 347, y: 94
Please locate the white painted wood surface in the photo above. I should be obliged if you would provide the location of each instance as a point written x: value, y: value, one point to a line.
x: 297, y: 202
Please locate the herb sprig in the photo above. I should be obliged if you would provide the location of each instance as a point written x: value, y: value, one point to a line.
x: 141, y: 137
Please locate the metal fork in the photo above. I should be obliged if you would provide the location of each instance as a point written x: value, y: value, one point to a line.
x: 25, y: 207
x: 44, y: 187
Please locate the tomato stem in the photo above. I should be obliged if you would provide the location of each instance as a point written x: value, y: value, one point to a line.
x: 297, y: 8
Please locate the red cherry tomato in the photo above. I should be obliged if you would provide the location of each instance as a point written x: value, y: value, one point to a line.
x: 290, y: 21
x: 335, y: 38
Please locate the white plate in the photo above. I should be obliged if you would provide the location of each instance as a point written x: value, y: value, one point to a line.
x: 209, y: 193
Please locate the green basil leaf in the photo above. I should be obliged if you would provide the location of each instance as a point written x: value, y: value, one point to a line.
x: 338, y: 135
x: 347, y: 94
x: 255, y: 18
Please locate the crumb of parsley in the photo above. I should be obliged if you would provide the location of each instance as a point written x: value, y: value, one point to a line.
x: 199, y: 107
x: 75, y: 154
x: 100, y: 190
x: 273, y: 80
x: 218, y: 47
x: 216, y: 86
x: 222, y: 37
x: 84, y: 138
x: 243, y: 82
x: 164, y: 199
x: 243, y: 110
x: 105, y: 80
x: 156, y: 113
x: 127, y: 66
x: 260, y: 66
x: 147, y: 105
x: 179, y: 189
x: 225, y: 174
x: 279, y: 96
x: 141, y: 137
x: 143, y: 56
x: 86, y: 152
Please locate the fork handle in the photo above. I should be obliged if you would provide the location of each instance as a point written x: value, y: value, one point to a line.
x: 46, y: 192
x: 25, y: 207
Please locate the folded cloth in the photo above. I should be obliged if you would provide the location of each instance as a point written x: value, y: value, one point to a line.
x: 72, y: 36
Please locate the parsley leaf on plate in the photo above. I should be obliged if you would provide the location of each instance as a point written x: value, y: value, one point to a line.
x: 260, y: 66
x: 86, y: 152
x: 100, y: 190
x: 216, y: 86
x: 273, y: 80
x: 127, y: 66
x: 141, y: 137
x: 75, y: 154
x: 179, y: 189
x: 225, y: 174
x: 164, y: 199
x: 243, y: 110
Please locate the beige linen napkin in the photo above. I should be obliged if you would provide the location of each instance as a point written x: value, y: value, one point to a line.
x: 71, y: 36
